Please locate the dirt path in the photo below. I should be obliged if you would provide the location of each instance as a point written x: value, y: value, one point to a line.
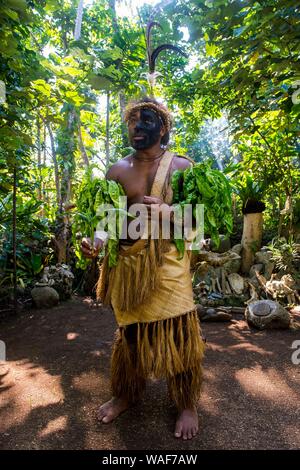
x: 57, y: 374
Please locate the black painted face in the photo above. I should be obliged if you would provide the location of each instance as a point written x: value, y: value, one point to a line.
x: 144, y: 129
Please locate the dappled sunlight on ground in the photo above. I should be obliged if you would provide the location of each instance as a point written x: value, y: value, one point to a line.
x: 57, y: 424
x: 25, y: 387
x: 72, y: 336
x: 266, y: 384
x: 246, y: 346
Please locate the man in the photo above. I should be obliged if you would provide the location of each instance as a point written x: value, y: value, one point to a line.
x: 150, y: 289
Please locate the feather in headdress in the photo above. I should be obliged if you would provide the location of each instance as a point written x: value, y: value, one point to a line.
x: 153, y: 55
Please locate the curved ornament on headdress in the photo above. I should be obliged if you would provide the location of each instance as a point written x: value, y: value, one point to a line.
x: 153, y: 55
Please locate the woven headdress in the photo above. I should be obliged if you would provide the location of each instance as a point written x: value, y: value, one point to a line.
x: 159, y: 109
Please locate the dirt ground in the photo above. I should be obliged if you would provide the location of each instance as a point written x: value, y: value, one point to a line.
x: 57, y: 374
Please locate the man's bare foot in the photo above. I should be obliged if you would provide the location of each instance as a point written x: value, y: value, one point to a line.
x: 187, y: 424
x: 112, y: 409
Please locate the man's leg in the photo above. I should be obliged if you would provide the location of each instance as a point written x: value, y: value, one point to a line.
x: 184, y: 390
x: 126, y: 385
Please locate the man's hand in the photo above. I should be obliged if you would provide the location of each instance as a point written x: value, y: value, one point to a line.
x: 148, y: 200
x: 89, y: 250
x: 165, y: 211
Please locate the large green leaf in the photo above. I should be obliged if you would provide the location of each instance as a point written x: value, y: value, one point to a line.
x: 99, y: 82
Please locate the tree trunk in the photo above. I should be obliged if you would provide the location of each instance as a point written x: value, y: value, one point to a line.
x: 287, y: 229
x: 39, y: 157
x: 14, y: 240
x: 55, y: 164
x: 60, y: 231
x: 67, y: 171
x: 122, y: 99
x: 122, y: 103
x: 107, y: 152
x: 234, y: 211
x: 63, y: 231
x: 251, y: 239
x: 112, y: 6
x: 44, y: 193
x: 84, y: 156
x: 77, y: 31
x: 45, y: 146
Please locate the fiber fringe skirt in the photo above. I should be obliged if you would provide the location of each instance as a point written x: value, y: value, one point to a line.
x: 159, y: 335
x: 171, y: 348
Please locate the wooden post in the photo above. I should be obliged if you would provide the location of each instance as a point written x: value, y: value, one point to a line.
x: 251, y: 239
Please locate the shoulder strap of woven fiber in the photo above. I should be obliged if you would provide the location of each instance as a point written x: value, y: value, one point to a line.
x: 161, y: 174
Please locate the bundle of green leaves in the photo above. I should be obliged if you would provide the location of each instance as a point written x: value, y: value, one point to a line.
x: 95, y: 194
x: 201, y: 184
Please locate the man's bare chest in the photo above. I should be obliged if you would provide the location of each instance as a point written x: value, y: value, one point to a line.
x: 137, y: 182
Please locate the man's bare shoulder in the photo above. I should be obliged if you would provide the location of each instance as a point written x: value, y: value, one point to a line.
x: 181, y: 163
x: 115, y: 171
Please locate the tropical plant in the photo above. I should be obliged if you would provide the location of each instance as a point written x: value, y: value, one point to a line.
x: 284, y: 254
x: 251, y: 193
